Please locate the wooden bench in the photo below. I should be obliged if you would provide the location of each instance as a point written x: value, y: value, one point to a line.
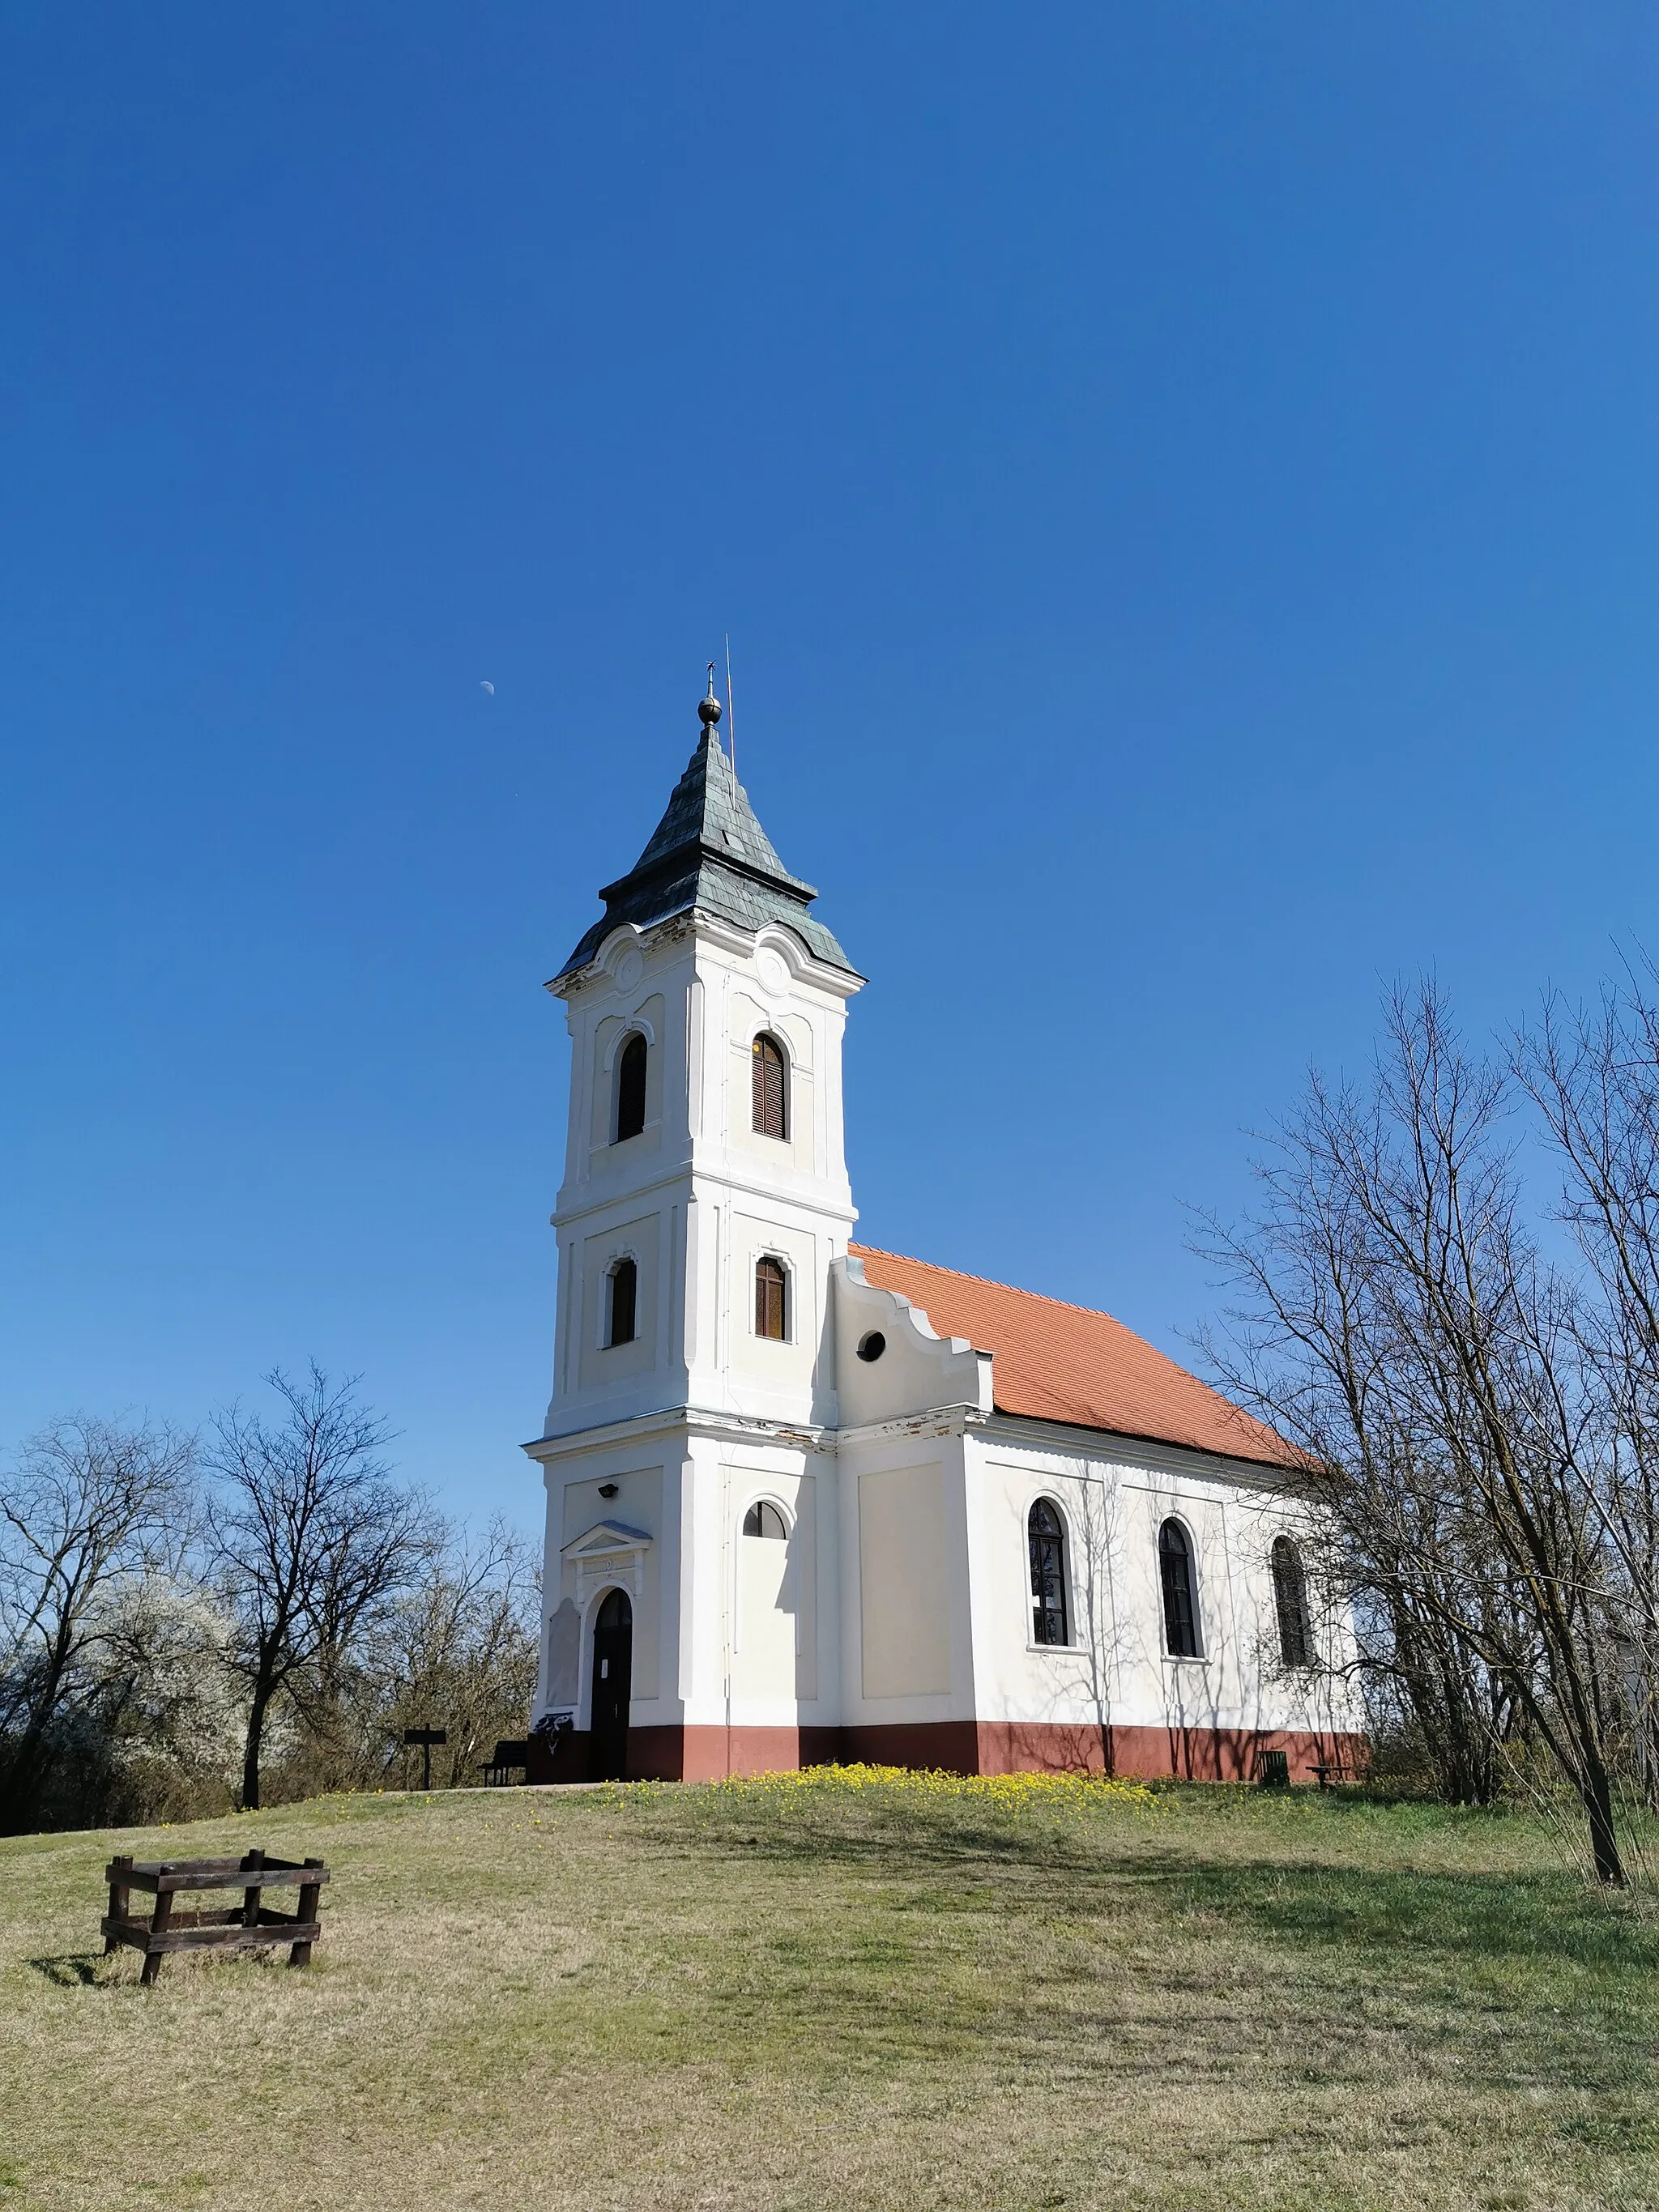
x: 511, y: 1755
x: 241, y: 1927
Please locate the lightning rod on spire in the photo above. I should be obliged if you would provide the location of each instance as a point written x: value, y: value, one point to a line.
x: 730, y: 709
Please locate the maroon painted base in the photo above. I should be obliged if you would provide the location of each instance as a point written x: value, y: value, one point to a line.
x: 1198, y: 1754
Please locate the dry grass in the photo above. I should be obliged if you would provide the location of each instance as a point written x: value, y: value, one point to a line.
x: 855, y: 1998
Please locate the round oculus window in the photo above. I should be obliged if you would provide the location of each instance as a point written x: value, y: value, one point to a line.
x: 873, y: 1347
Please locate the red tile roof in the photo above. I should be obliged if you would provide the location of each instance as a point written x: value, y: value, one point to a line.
x: 1061, y: 1363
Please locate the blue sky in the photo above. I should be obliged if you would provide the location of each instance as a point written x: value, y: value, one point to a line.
x: 1182, y: 483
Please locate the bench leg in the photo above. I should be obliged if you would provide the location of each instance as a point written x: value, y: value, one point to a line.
x: 118, y: 1894
x: 300, y: 1953
x: 252, y: 1861
x: 157, y: 1927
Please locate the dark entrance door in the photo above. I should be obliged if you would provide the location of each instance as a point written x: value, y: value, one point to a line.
x: 613, y: 1670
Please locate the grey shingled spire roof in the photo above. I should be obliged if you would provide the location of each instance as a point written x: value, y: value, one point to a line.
x: 709, y: 855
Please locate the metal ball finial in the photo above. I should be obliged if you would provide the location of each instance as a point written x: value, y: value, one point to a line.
x: 709, y: 708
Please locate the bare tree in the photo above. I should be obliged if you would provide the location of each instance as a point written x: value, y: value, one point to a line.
x: 1595, y: 1075
x: 460, y: 1650
x: 1400, y: 1324
x: 92, y: 1506
x: 311, y: 1541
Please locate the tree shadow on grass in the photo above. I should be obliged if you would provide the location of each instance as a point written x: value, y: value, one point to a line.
x: 895, y: 1841
x: 852, y: 1940
x: 1267, y: 1980
x: 1500, y: 1918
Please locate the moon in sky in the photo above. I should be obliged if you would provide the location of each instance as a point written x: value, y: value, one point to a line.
x: 488, y: 687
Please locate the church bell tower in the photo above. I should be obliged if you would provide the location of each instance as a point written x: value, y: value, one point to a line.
x: 705, y: 1189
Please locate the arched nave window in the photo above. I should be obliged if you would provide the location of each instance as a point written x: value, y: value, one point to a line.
x: 622, y: 1301
x: 1290, y: 1604
x: 1175, y: 1568
x: 630, y: 1088
x: 1047, y: 1532
x: 769, y: 1091
x: 771, y: 1300
x: 763, y: 1519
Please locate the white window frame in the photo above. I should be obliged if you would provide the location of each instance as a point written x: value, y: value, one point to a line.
x: 1073, y: 1642
x: 1201, y: 1657
x: 606, y: 1275
x: 771, y: 1252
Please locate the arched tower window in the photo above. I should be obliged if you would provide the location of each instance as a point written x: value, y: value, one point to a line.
x: 622, y: 1303
x: 1290, y: 1604
x: 1047, y: 1532
x: 1174, y: 1567
x: 771, y: 1300
x: 763, y: 1519
x: 630, y: 1089
x: 770, y: 1088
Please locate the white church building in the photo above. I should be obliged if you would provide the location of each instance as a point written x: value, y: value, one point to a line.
x: 807, y: 1500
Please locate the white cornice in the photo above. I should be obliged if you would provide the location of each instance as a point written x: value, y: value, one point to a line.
x: 935, y: 1421
x: 778, y: 1190
x: 689, y: 1420
x: 806, y: 967
x: 1150, y: 1454
x: 1102, y: 1446
x: 724, y: 936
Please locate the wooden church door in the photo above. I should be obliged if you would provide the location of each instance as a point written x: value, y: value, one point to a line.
x: 613, y: 1670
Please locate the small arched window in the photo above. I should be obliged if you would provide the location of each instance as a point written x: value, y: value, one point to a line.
x: 1047, y: 1532
x: 1290, y: 1604
x: 1175, y: 1568
x: 630, y: 1089
x: 771, y: 1300
x: 770, y: 1088
x: 763, y: 1519
x: 622, y: 1303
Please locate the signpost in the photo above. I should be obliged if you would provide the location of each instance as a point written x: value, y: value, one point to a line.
x: 426, y: 1738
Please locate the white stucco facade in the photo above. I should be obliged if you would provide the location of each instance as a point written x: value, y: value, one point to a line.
x: 886, y: 1611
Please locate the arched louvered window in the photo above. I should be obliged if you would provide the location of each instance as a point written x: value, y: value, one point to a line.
x: 1047, y: 1532
x: 630, y: 1088
x: 770, y: 1088
x: 771, y: 1300
x: 623, y: 1295
x: 763, y: 1519
x: 1290, y: 1604
x: 1175, y: 1568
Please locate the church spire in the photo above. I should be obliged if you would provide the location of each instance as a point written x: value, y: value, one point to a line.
x: 710, y: 855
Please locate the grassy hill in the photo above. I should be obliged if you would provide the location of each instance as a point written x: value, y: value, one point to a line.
x: 775, y: 1996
